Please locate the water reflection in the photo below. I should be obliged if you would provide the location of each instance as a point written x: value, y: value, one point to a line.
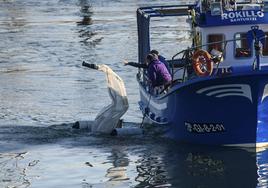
x: 14, y: 16
x: 152, y: 172
x: 262, y: 164
x: 86, y: 13
x: 118, y: 172
x: 202, y: 167
x: 126, y: 162
x: 13, y: 171
x: 85, y: 25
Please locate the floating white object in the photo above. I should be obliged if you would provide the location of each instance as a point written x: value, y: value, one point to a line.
x: 127, y: 131
x: 82, y: 125
x: 108, y: 118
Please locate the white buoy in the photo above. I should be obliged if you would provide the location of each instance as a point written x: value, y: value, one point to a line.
x: 127, y: 131
x: 83, y: 125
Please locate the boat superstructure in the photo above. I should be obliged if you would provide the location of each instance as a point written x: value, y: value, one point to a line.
x: 220, y: 83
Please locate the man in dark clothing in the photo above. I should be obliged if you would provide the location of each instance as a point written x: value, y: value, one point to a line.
x: 145, y: 66
x: 138, y: 65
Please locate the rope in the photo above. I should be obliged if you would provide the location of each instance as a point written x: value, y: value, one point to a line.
x: 145, y: 111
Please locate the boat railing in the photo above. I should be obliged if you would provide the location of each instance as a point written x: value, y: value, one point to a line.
x: 217, y: 7
x: 185, y: 62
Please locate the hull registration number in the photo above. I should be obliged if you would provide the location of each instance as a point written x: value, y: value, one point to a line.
x: 204, y: 127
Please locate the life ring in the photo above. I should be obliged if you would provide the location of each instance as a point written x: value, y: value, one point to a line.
x: 202, y: 63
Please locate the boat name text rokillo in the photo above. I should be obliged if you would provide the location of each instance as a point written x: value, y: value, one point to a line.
x: 204, y: 127
x: 242, y: 16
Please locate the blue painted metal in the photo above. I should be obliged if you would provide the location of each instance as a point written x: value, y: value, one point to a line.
x: 245, y: 119
x: 143, y: 23
x: 240, y: 17
x: 229, y: 109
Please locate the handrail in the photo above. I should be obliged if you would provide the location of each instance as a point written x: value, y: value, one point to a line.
x: 159, y: 11
x: 186, y: 52
x: 200, y: 46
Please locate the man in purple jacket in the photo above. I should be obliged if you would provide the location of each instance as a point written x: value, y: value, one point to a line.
x: 157, y: 71
x: 161, y: 59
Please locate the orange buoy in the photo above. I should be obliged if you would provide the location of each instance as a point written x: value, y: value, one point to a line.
x: 202, y: 63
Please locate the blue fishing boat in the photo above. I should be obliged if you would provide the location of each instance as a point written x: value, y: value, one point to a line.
x: 219, y: 89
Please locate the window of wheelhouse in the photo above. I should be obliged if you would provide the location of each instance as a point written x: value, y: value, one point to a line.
x: 265, y: 46
x: 215, y: 42
x: 242, y: 49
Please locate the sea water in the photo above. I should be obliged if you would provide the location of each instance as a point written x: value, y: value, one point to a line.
x: 42, y: 83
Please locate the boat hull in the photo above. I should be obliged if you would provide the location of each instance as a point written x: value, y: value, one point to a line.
x: 230, y: 110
